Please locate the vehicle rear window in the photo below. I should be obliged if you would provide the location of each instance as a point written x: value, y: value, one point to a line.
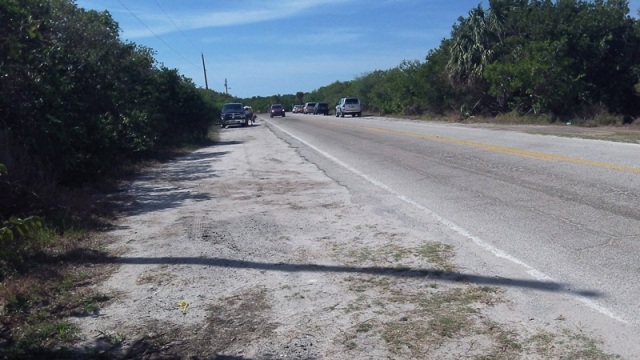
x: 351, y: 101
x: 233, y: 106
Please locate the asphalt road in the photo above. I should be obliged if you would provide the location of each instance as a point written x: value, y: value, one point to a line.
x: 561, y: 209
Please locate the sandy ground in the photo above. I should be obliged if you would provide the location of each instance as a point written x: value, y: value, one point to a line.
x: 245, y: 250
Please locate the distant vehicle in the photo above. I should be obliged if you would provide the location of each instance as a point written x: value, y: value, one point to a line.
x: 308, y: 107
x: 233, y: 114
x: 297, y: 108
x: 276, y: 110
x: 349, y: 105
x: 321, y: 108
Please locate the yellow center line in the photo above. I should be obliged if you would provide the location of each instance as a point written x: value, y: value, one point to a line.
x: 508, y: 150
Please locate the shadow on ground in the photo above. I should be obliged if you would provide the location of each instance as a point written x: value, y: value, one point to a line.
x: 400, y: 272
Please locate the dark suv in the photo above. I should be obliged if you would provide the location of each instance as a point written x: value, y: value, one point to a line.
x: 233, y: 114
x: 321, y: 108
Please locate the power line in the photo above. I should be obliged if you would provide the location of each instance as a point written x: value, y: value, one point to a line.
x: 175, y: 25
x: 156, y: 35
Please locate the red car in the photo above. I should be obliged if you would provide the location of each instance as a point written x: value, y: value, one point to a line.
x: 276, y: 110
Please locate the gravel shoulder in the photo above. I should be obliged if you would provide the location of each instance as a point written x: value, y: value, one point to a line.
x: 245, y: 250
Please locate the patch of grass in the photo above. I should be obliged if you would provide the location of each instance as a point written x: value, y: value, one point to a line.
x: 410, y: 338
x: 438, y: 254
x: 394, y: 252
x: 418, y: 320
x: 565, y: 344
x: 364, y: 327
x: 362, y: 255
x: 580, y: 346
x: 361, y: 303
x: 350, y: 345
x: 460, y: 298
x: 449, y: 324
x: 42, y: 334
x: 156, y: 277
x: 90, y: 304
x: 452, y: 318
x: 360, y: 284
x: 421, y: 318
x: 506, y: 342
x: 542, y: 343
x: 36, y: 302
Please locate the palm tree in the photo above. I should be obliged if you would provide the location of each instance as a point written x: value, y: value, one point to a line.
x: 471, y: 48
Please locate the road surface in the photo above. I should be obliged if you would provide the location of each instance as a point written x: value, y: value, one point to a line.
x: 564, y: 210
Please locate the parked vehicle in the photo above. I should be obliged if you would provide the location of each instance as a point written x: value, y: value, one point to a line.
x: 297, y: 108
x: 349, y: 105
x: 308, y: 107
x: 321, y: 108
x: 233, y: 114
x: 276, y: 110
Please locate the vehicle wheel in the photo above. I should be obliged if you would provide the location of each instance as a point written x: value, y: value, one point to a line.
x: 341, y: 114
x: 222, y: 125
x: 353, y: 115
x: 360, y: 114
x: 337, y: 114
x: 271, y: 116
x: 283, y: 115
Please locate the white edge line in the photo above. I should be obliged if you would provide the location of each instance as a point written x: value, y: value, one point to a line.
x: 536, y: 274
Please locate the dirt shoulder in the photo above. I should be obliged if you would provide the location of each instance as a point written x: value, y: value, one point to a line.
x: 245, y: 250
x: 623, y: 133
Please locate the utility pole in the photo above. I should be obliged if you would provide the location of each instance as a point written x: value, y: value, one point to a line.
x: 226, y: 90
x: 206, y: 83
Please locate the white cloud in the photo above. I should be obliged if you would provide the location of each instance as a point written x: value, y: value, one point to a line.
x: 242, y: 13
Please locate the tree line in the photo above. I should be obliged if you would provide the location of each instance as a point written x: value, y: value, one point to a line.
x: 78, y: 103
x: 556, y: 59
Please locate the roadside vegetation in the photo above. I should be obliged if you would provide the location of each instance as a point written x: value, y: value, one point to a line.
x: 531, y: 61
x: 80, y: 109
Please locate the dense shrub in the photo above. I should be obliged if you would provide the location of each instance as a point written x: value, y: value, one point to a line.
x: 77, y: 102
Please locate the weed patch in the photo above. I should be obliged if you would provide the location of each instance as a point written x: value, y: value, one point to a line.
x: 438, y: 254
x: 423, y: 317
x: 35, y: 303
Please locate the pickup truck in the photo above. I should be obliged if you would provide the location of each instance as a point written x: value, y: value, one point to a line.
x: 233, y: 114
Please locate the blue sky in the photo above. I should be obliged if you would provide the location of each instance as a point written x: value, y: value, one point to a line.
x: 268, y: 47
